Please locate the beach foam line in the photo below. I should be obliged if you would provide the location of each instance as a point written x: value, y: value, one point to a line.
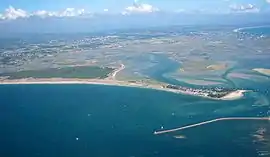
x: 211, y: 121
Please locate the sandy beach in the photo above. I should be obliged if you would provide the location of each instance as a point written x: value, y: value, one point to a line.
x: 234, y: 95
x: 112, y: 82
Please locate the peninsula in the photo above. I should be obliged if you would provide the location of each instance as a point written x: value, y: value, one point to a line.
x: 110, y: 79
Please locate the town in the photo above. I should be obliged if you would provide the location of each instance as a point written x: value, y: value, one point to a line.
x: 211, y: 92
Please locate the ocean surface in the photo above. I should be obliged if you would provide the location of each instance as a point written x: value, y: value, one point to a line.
x: 259, y: 30
x: 109, y: 121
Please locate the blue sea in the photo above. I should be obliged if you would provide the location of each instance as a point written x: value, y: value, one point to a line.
x: 258, y: 30
x: 109, y: 121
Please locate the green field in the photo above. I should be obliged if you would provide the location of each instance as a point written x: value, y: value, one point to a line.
x: 82, y: 72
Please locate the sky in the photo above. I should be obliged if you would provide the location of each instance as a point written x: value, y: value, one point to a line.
x: 118, y: 6
x: 96, y: 5
x: 39, y: 14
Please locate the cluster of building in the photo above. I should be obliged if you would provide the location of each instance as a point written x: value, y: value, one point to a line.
x: 215, y: 93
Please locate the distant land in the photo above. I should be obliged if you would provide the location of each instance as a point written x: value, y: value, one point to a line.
x: 149, y: 58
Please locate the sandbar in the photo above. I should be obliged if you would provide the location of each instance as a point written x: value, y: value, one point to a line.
x: 262, y: 71
x: 217, y: 67
x: 234, y: 95
x: 199, y: 82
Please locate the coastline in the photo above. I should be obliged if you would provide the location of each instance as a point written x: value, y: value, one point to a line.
x: 112, y: 82
x: 251, y: 27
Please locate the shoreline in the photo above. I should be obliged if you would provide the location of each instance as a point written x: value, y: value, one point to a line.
x: 251, y: 27
x: 234, y: 95
x: 109, y: 82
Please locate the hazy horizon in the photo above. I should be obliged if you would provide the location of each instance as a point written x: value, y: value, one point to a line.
x: 83, y: 16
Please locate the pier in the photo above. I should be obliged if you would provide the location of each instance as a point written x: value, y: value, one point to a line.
x: 211, y: 121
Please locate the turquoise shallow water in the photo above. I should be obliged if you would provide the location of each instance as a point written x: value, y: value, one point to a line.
x: 45, y: 120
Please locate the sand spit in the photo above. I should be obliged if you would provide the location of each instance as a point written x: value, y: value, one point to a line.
x: 231, y: 96
x: 234, y: 95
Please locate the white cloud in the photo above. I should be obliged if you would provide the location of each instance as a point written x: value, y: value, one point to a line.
x: 140, y: 8
x: 249, y: 8
x: 105, y: 10
x: 44, y: 13
x: 268, y: 1
x: 70, y: 12
x: 12, y: 13
x: 41, y: 13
